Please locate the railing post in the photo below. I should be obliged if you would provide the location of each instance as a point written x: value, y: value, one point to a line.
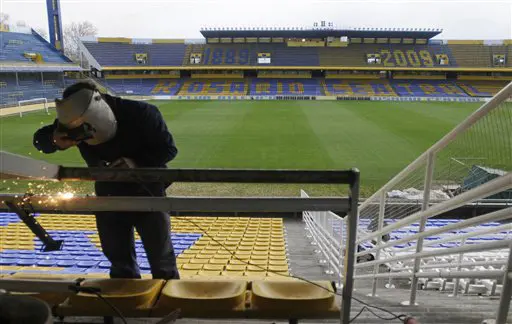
x: 429, y: 174
x: 506, y: 292
x: 380, y: 224
x: 457, y: 281
x: 350, y: 250
x: 341, y: 261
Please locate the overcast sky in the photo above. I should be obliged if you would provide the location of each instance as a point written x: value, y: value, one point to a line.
x: 183, y: 18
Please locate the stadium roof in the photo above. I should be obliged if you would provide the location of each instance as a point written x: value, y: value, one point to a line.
x: 298, y: 32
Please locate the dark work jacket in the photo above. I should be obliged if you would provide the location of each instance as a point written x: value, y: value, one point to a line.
x: 142, y: 136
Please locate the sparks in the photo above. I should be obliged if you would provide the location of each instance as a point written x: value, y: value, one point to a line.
x: 67, y: 195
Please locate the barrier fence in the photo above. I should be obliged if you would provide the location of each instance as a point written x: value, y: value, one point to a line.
x: 472, y: 162
x: 327, y: 231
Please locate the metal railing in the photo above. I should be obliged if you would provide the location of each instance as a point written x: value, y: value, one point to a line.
x: 13, y: 166
x: 327, y: 231
x: 471, y: 163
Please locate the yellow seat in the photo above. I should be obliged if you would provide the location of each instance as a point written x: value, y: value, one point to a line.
x: 213, y: 267
x: 195, y: 297
x: 233, y: 274
x: 282, y: 262
x: 203, y: 255
x: 209, y: 273
x: 262, y: 248
x: 188, y: 273
x: 52, y: 298
x: 192, y: 266
x: 292, y: 296
x: 198, y: 261
x: 236, y: 267
x: 234, y: 261
x: 261, y: 262
x: 259, y: 257
x: 278, y: 268
x: 256, y: 252
x: 220, y: 261
x: 130, y: 296
x: 257, y: 274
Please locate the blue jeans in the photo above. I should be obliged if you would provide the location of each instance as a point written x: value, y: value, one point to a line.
x: 116, y: 231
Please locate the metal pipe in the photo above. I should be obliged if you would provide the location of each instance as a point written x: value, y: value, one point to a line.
x: 382, y: 209
x: 325, y: 251
x: 34, y: 285
x: 207, y: 175
x: 350, y: 249
x: 493, y: 216
x: 487, y: 189
x: 448, y: 251
x: 429, y: 174
x: 488, y: 274
x: 455, y: 265
x: 209, y: 204
x: 494, y: 102
x: 506, y: 292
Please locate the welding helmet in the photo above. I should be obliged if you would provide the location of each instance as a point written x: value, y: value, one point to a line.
x: 86, y: 117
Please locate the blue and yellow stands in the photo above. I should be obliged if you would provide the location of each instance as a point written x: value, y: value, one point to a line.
x: 427, y: 88
x: 481, y: 88
x: 216, y: 87
x: 285, y: 87
x: 111, y: 52
x: 258, y: 241
x: 357, y: 88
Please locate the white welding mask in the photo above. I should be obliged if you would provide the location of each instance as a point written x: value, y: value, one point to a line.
x: 86, y: 117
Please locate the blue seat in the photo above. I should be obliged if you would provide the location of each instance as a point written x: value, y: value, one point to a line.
x: 105, y: 264
x: 66, y: 263
x: 87, y: 264
x: 46, y: 263
x: 26, y: 262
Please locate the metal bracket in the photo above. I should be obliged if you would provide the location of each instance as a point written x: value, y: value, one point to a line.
x: 49, y: 244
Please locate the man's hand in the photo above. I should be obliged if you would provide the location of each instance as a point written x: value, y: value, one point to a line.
x: 62, y: 141
x: 123, y: 162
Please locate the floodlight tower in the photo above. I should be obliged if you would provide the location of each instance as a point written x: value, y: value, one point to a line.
x: 55, y: 24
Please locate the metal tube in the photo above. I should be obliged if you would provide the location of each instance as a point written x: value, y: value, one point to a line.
x: 506, y: 292
x: 207, y: 204
x: 350, y: 250
x: 382, y: 209
x: 429, y: 174
x: 32, y: 285
x: 488, y: 274
x: 482, y: 191
x: 324, y: 249
x: 455, y: 265
x: 207, y: 175
x: 459, y: 262
x: 426, y: 254
x: 493, y: 216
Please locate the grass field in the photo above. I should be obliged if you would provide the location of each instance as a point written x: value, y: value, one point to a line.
x: 379, y: 138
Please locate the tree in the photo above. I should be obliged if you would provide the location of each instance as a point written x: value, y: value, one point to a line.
x: 4, y: 21
x: 72, y: 34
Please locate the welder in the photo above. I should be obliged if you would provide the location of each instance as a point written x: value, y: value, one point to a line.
x: 118, y: 133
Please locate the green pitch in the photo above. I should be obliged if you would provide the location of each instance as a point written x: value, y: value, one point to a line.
x: 379, y: 138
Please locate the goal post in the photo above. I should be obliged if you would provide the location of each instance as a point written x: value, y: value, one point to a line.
x: 29, y: 101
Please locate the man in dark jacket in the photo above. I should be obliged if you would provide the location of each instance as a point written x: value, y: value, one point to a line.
x: 114, y: 132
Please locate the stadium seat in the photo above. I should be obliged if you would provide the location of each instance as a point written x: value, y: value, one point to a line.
x: 197, y: 254
x: 133, y: 297
x: 196, y: 297
x: 292, y: 295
